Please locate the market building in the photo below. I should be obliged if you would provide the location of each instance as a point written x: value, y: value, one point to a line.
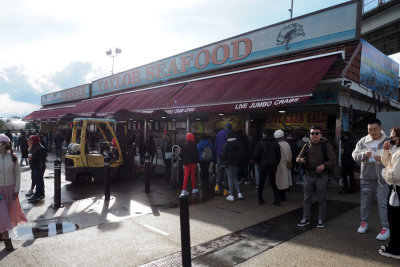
x: 310, y: 70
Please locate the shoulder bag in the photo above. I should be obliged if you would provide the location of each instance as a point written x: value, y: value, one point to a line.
x: 288, y: 163
x: 394, y: 198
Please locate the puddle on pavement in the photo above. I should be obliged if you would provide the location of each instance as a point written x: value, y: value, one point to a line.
x: 29, y: 232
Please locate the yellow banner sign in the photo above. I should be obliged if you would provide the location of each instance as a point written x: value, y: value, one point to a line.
x: 301, y: 120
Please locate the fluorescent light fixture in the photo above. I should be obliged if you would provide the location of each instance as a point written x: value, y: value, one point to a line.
x: 281, y: 111
x: 221, y: 114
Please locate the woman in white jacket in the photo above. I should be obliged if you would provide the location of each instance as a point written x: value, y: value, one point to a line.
x: 283, y: 173
x: 11, y: 213
x: 391, y: 160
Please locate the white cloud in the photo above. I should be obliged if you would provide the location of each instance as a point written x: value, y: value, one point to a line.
x: 10, y: 107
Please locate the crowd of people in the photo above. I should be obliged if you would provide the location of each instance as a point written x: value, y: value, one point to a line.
x: 275, y: 156
x: 272, y: 155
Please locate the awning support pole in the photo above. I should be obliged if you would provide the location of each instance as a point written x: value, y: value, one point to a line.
x: 145, y: 129
x: 247, y: 123
x: 188, y: 124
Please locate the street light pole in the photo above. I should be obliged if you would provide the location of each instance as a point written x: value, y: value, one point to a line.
x: 291, y: 10
x: 109, y: 53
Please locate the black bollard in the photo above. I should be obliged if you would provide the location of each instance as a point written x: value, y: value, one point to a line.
x: 147, y: 173
x: 106, y: 178
x: 57, y: 183
x: 185, y: 231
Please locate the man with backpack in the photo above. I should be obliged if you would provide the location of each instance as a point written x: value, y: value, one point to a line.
x: 317, y: 157
x: 267, y: 155
x: 205, y: 150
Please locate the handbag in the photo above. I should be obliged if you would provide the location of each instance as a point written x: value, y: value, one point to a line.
x: 288, y: 163
x: 394, y: 198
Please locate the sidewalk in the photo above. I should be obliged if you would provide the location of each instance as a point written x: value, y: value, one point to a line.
x: 135, y: 228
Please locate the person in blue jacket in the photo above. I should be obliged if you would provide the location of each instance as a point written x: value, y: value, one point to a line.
x: 205, y: 151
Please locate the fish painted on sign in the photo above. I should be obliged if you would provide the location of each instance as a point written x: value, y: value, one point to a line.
x: 288, y: 33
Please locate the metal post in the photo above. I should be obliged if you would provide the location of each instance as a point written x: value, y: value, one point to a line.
x: 188, y: 124
x: 247, y: 124
x: 57, y: 183
x: 185, y: 231
x: 106, y: 177
x: 145, y: 129
x: 147, y: 173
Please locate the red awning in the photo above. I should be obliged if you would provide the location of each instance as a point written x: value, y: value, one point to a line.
x: 55, y: 113
x: 89, y: 107
x: 35, y: 115
x: 140, y: 101
x: 263, y: 88
x: 49, y: 113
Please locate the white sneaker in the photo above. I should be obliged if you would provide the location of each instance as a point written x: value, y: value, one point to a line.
x: 240, y: 196
x: 384, y: 234
x: 195, y: 191
x: 184, y: 193
x: 363, y: 228
x: 230, y: 198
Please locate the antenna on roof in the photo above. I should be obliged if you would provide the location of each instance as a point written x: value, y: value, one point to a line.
x: 291, y: 10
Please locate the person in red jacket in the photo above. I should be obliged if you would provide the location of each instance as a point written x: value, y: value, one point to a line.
x: 190, y: 158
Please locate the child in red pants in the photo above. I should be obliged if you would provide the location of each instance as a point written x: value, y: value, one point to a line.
x: 190, y: 159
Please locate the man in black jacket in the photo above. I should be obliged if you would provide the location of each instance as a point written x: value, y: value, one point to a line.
x: 232, y: 156
x: 267, y: 155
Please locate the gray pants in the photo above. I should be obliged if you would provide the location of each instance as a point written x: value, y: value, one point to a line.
x: 231, y: 171
x: 368, y: 190
x: 321, y: 184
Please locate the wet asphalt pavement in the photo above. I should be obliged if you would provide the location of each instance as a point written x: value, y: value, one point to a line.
x: 135, y: 228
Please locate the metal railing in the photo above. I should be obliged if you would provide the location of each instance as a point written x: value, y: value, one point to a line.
x: 369, y: 5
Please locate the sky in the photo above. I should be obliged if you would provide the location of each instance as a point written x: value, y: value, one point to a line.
x: 48, y: 45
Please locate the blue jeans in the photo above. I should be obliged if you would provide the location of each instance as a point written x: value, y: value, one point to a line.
x: 37, y: 175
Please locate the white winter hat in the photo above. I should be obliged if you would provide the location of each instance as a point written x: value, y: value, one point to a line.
x: 4, y: 138
x: 279, y: 134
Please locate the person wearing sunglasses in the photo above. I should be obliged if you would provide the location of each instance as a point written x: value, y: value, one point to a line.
x: 318, y: 157
x: 368, y: 152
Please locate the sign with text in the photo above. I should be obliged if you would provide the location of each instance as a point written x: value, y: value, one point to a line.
x: 75, y: 93
x: 329, y: 26
x: 379, y: 72
x: 248, y: 105
x: 217, y: 122
x: 300, y: 120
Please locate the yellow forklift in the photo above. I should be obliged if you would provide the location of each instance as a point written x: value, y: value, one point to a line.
x: 94, y: 140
